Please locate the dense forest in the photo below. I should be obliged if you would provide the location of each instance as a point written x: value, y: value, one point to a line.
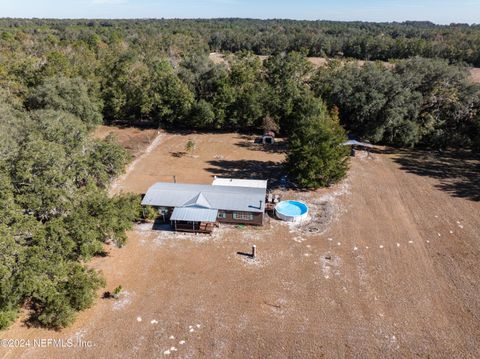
x: 158, y: 72
x: 360, y: 40
x: 61, y: 78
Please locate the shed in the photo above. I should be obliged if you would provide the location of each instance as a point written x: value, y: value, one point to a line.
x: 355, y: 144
x: 268, y: 138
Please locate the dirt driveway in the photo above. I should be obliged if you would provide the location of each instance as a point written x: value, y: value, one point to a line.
x: 395, y: 274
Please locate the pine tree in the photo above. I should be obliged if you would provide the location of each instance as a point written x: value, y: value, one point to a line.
x: 316, y: 156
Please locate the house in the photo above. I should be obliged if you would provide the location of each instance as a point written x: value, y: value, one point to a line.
x: 196, y: 207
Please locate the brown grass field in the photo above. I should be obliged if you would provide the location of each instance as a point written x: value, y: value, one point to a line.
x: 387, y: 269
x: 321, y: 61
x: 475, y: 74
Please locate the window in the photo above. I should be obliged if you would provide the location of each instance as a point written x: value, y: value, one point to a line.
x: 244, y: 216
x: 163, y: 210
x: 222, y: 215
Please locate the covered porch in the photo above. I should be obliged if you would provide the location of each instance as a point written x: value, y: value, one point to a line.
x: 193, y: 219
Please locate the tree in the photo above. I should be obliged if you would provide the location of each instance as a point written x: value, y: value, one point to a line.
x: 40, y: 177
x: 106, y: 161
x: 10, y: 264
x: 13, y: 124
x: 202, y: 115
x: 56, y: 63
x: 190, y: 146
x: 126, y: 82
x: 287, y: 77
x: 373, y: 102
x: 69, y: 95
x: 269, y: 124
x: 316, y: 156
x: 171, y: 98
x: 248, y: 84
x: 450, y: 102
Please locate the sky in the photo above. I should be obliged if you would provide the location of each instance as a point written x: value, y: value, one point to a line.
x: 438, y: 11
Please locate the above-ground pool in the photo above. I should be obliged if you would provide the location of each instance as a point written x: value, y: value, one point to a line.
x: 291, y: 211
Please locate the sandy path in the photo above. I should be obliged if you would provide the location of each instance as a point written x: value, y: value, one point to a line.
x: 118, y: 184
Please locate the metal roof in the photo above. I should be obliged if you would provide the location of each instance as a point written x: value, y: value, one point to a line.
x: 356, y: 143
x: 229, y: 198
x: 194, y: 214
x: 239, y: 182
x: 198, y: 201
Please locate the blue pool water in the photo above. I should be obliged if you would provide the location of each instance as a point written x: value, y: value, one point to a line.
x: 292, y: 208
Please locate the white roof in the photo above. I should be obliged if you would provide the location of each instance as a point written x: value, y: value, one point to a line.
x: 194, y: 214
x: 239, y: 182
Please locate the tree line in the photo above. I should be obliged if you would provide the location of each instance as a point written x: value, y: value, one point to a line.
x: 158, y: 72
x: 408, y: 103
x: 55, y: 213
x: 360, y: 40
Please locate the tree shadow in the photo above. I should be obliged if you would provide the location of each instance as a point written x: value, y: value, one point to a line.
x: 31, y: 320
x: 279, y: 146
x: 458, y: 172
x: 178, y: 154
x: 248, y: 169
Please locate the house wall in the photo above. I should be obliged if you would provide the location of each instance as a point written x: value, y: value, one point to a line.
x: 256, y: 221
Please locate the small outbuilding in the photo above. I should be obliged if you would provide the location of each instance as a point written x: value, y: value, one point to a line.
x: 357, y: 145
x: 268, y: 138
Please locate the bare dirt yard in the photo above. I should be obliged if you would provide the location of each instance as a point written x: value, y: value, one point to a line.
x: 388, y: 267
x: 135, y: 140
x: 475, y: 74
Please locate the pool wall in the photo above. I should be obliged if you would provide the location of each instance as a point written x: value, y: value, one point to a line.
x: 303, y: 208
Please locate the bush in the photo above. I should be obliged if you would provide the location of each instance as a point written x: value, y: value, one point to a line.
x: 149, y: 213
x: 117, y: 291
x: 55, y: 313
x: 7, y: 316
